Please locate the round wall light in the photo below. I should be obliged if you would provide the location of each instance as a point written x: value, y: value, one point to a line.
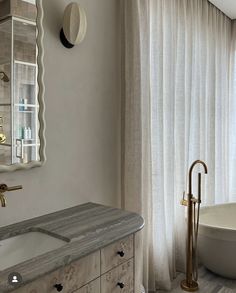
x: 74, y: 25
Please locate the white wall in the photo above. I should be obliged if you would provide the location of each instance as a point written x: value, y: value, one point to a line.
x: 82, y: 115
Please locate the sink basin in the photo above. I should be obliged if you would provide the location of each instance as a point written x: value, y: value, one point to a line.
x: 23, y: 247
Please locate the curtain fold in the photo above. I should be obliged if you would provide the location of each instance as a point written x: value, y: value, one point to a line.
x: 136, y: 147
x: 232, y: 117
x: 178, y: 106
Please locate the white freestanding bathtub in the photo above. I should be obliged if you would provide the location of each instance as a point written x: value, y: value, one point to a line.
x: 217, y: 239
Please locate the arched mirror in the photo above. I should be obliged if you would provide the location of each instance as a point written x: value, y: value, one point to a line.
x: 22, y: 143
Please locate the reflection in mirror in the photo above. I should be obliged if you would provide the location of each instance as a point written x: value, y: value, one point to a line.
x: 19, y: 103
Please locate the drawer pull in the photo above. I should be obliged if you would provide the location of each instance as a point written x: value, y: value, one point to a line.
x: 121, y: 253
x: 121, y: 285
x: 59, y: 287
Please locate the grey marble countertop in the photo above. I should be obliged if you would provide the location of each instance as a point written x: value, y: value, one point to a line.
x: 86, y: 228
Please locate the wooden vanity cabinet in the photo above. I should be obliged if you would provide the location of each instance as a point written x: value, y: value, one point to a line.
x: 92, y: 287
x: 119, y: 279
x: 117, y: 253
x: 112, y: 269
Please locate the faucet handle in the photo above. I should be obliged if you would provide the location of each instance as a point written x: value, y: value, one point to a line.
x: 184, y: 201
x: 4, y: 187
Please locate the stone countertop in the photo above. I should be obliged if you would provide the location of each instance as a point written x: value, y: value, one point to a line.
x: 86, y: 228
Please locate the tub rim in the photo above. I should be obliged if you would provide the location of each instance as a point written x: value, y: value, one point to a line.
x: 216, y: 206
x: 214, y: 231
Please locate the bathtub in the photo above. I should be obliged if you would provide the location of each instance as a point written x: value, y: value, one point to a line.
x: 217, y: 239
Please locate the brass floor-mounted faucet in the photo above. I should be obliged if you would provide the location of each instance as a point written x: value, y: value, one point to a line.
x: 190, y: 283
x: 4, y: 188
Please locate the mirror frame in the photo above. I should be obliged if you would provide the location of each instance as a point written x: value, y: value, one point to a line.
x: 41, y: 92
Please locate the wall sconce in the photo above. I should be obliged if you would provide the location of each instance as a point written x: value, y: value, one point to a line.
x: 74, y: 25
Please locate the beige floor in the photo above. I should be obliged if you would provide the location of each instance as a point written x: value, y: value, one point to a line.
x: 208, y: 283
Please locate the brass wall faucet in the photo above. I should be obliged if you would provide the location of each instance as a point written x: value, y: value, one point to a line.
x: 190, y: 283
x: 4, y: 188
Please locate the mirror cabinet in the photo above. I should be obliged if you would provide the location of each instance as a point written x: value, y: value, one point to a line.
x: 21, y: 85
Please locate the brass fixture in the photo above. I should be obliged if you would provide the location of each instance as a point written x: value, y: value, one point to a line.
x: 190, y: 283
x: 4, y: 77
x: 3, y: 137
x: 4, y: 188
x: 3, y: 200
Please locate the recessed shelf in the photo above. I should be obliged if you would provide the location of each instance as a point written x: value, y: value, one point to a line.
x: 5, y: 144
x: 30, y: 144
x: 28, y: 139
x: 30, y: 112
x: 25, y: 63
x: 26, y: 105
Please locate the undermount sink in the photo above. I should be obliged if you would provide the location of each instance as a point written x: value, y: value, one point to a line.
x: 26, y: 246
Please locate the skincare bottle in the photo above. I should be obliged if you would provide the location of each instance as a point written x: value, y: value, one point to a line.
x: 29, y: 133
x: 25, y: 133
x: 21, y: 107
x: 21, y: 132
x: 25, y: 104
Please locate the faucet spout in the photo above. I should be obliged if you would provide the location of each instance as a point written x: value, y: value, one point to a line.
x: 191, y: 171
x: 3, y: 200
x: 3, y: 189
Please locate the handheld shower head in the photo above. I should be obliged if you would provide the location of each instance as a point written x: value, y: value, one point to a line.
x: 4, y: 77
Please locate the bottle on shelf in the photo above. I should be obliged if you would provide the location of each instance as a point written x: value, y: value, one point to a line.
x: 21, y: 107
x: 29, y: 133
x: 25, y: 133
x: 21, y: 132
x: 25, y: 157
x: 25, y: 104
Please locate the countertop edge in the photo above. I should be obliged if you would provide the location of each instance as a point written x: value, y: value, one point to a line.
x: 136, y: 223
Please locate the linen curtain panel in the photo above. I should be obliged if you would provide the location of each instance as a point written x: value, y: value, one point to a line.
x: 178, y: 107
x: 232, y: 117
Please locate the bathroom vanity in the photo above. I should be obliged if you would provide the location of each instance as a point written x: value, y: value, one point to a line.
x: 101, y: 252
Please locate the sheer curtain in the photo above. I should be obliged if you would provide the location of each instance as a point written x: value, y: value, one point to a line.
x: 136, y: 134
x: 176, y: 108
x: 232, y: 117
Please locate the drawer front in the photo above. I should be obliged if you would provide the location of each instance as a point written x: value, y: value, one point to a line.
x: 71, y: 277
x: 81, y: 272
x: 117, y: 253
x: 121, y: 276
x: 93, y: 287
x: 44, y: 284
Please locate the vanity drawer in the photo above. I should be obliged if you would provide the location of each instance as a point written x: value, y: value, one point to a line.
x: 44, y: 284
x: 123, y: 275
x: 81, y: 272
x: 71, y: 277
x: 116, y: 253
x: 93, y: 287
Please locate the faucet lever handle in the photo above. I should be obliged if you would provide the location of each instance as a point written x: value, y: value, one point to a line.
x: 184, y: 202
x: 4, y: 187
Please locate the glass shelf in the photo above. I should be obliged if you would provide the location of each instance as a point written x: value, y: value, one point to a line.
x: 27, y: 105
x: 30, y: 112
x: 5, y: 144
